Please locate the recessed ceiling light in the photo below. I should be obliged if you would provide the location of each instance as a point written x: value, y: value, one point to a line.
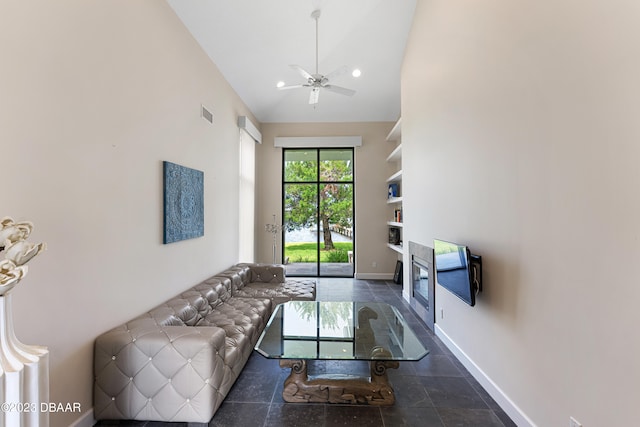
x: 280, y: 84
x: 356, y: 73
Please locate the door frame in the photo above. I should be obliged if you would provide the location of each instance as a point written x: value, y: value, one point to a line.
x: 317, y: 182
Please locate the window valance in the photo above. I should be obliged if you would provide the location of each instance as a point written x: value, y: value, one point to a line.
x: 317, y: 141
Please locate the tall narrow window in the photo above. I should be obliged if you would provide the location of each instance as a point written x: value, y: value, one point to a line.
x: 318, y: 207
x: 246, y: 237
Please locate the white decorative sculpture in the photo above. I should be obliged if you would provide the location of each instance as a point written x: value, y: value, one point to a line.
x: 24, y: 369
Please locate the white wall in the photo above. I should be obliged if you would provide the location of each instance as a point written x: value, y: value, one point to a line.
x: 520, y: 124
x: 371, y: 172
x: 94, y: 96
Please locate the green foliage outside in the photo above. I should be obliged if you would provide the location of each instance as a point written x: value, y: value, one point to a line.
x: 307, y: 183
x: 445, y: 248
x: 306, y: 252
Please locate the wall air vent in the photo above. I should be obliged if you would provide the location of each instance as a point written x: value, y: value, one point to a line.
x: 206, y: 114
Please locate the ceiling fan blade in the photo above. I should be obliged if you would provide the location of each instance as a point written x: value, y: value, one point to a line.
x: 336, y: 73
x: 314, y: 95
x: 302, y: 71
x: 339, y: 89
x: 292, y: 87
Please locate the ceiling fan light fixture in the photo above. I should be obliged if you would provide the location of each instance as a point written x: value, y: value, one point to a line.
x: 314, y: 95
x: 318, y: 81
x: 356, y: 73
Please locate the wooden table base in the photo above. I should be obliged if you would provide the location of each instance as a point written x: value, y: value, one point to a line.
x: 375, y: 390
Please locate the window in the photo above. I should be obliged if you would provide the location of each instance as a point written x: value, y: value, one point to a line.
x: 318, y: 206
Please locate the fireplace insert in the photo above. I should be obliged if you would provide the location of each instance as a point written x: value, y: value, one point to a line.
x: 422, y: 296
x: 420, y: 276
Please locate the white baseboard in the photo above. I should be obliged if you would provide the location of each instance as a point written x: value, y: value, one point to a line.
x: 507, y: 405
x: 374, y: 276
x: 85, y: 420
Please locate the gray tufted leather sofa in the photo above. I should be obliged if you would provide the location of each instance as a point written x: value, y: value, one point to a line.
x: 178, y: 361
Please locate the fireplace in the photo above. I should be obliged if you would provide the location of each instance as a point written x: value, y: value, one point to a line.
x: 422, y: 295
x: 420, y: 280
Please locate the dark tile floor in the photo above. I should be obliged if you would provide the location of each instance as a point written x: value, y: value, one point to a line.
x: 434, y: 392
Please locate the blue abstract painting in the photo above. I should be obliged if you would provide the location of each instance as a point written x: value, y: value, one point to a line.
x: 183, y: 203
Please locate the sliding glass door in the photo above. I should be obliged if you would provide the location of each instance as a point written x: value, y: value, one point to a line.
x: 318, y: 206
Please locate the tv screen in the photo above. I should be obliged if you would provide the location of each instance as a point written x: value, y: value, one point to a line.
x: 458, y: 270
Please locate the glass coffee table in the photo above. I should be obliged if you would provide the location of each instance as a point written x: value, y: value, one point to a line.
x: 300, y: 331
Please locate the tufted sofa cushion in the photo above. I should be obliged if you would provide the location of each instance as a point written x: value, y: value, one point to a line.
x: 252, y: 280
x: 239, y: 275
x: 141, y: 370
x: 291, y: 289
x: 265, y: 273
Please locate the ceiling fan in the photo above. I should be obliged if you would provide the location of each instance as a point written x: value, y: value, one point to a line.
x: 319, y: 81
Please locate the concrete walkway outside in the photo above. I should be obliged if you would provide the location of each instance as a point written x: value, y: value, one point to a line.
x: 336, y: 269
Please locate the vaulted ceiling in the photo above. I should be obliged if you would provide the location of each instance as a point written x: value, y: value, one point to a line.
x: 254, y: 42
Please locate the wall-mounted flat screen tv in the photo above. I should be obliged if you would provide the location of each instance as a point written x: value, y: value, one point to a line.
x: 458, y: 270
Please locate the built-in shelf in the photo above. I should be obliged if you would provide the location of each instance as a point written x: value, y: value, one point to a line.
x: 396, y: 248
x: 394, y: 135
x: 396, y: 154
x: 394, y: 159
x: 396, y: 177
